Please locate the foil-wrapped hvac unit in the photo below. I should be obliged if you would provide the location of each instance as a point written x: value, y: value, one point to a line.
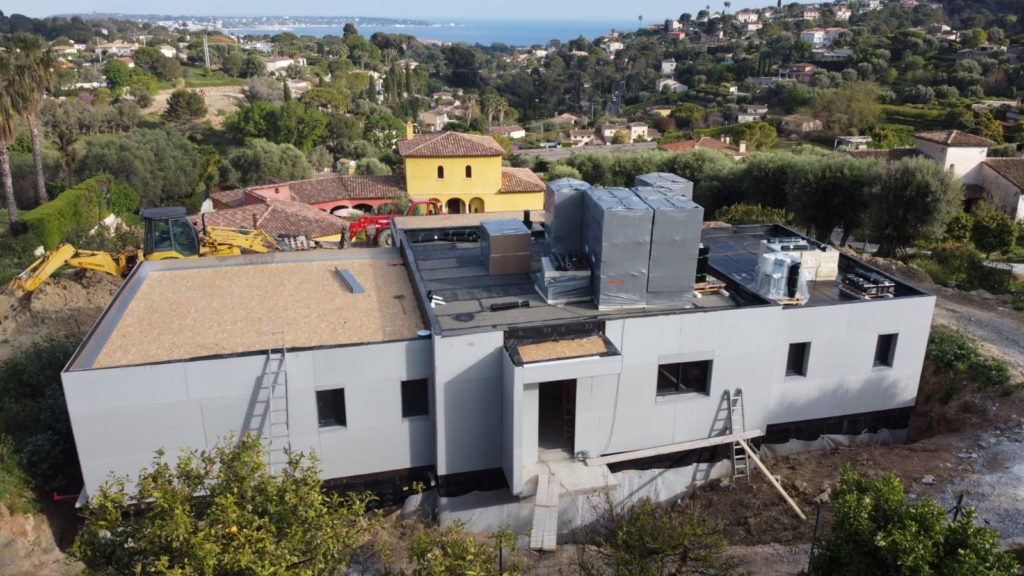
x: 675, y: 241
x: 780, y: 277
x: 671, y: 183
x: 563, y: 207
x: 617, y: 245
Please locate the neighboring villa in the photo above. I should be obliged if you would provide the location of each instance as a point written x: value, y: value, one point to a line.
x: 463, y: 172
x: 1000, y: 180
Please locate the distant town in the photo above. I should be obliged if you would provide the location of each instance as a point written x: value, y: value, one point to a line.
x: 194, y: 23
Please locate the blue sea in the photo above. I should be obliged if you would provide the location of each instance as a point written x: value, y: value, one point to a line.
x: 485, y: 32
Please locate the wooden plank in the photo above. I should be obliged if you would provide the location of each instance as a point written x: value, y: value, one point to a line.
x: 681, y: 447
x: 544, y: 534
x: 772, y: 479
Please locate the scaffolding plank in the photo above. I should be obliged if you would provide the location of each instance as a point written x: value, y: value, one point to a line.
x: 681, y: 447
x: 772, y: 479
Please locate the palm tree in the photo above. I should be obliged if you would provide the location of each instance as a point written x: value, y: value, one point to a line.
x: 470, y: 101
x: 500, y: 106
x: 33, y: 62
x: 7, y: 115
x: 64, y: 141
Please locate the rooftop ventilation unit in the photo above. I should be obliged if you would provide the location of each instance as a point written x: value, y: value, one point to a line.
x: 670, y: 183
x: 617, y: 245
x: 675, y: 242
x: 819, y: 262
x: 563, y: 205
x: 505, y: 247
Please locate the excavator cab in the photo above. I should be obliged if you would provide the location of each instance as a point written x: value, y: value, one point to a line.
x: 169, y: 234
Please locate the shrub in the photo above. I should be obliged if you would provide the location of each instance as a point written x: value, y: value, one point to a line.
x: 15, y: 487
x: 990, y: 373
x: 76, y: 208
x: 739, y: 214
x: 951, y: 349
x: 876, y: 531
x: 123, y: 200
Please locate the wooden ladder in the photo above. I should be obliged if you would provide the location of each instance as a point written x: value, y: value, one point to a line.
x: 740, y: 465
x: 275, y: 382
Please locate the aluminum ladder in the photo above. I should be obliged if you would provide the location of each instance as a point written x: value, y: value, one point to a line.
x: 275, y: 383
x: 740, y: 465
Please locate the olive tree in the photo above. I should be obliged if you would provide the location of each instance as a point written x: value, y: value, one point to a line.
x: 914, y: 199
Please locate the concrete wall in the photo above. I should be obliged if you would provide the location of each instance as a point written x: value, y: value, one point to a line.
x: 964, y: 162
x: 468, y: 395
x: 121, y: 416
x: 1003, y: 193
x: 748, y: 347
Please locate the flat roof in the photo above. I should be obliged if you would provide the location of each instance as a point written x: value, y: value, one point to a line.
x: 456, y: 272
x: 217, y: 306
x: 446, y: 262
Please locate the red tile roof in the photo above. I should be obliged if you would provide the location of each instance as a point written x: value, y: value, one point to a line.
x: 705, y: 142
x: 448, y: 145
x: 228, y: 198
x: 955, y: 138
x: 520, y: 180
x: 287, y: 219
x: 339, y: 187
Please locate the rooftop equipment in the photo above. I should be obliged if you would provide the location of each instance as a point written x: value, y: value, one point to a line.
x: 780, y: 277
x: 506, y: 247
x: 864, y: 284
x: 819, y: 262
x: 675, y: 243
x: 670, y: 183
x: 563, y: 278
x: 617, y: 245
x: 563, y: 205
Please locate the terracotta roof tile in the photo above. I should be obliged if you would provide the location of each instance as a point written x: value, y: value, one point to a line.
x: 339, y: 187
x: 1010, y: 168
x: 955, y: 138
x: 449, y: 144
x: 520, y: 180
x: 287, y: 219
x: 889, y: 154
x: 230, y: 198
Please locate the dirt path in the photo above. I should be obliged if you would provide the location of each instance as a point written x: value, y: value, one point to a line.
x: 989, y: 319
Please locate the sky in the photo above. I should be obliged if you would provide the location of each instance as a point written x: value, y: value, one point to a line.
x: 434, y: 10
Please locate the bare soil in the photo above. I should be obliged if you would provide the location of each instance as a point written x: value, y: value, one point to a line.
x: 63, y: 307
x: 27, y: 547
x: 220, y: 101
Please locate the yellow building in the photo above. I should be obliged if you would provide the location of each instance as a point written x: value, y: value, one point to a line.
x: 464, y: 173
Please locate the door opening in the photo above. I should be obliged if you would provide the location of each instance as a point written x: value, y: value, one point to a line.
x: 557, y: 419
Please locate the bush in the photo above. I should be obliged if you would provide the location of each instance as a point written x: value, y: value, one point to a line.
x: 123, y: 200
x: 952, y: 349
x: 75, y: 209
x: 739, y: 214
x: 876, y: 531
x: 15, y: 487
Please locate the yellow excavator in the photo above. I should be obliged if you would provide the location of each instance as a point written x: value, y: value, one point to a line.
x: 168, y: 234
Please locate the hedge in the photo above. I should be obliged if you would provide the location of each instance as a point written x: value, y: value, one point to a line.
x: 79, y: 208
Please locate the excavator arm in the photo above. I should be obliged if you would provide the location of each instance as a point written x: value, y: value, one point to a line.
x: 66, y: 255
x: 222, y: 241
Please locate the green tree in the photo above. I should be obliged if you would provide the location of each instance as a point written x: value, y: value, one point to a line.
x: 372, y: 167
x: 118, y: 74
x: 300, y: 125
x: 382, y: 130
x: 449, y: 550
x: 252, y: 66
x: 846, y: 183
x: 992, y: 230
x: 320, y: 158
x: 758, y: 135
x: 161, y: 164
x: 852, y: 107
x: 184, y: 107
x: 558, y: 171
x: 259, y: 161
x: 959, y: 228
x: 644, y: 539
x: 248, y: 521
x: 876, y: 531
x: 620, y: 137
x: 914, y: 199
x: 688, y: 114
x: 254, y: 120
x: 33, y: 72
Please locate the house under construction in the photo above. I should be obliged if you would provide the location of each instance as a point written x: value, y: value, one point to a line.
x: 612, y: 326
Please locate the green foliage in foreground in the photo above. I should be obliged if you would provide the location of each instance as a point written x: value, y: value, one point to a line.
x: 15, y: 486
x: 876, y: 531
x: 221, y: 512
x: 78, y: 208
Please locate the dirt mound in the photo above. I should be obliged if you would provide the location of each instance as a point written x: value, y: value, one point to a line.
x: 64, y: 307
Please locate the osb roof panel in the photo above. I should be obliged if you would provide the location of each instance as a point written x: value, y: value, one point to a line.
x: 560, y: 349
x: 223, y: 310
x: 448, y: 145
x: 520, y: 180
